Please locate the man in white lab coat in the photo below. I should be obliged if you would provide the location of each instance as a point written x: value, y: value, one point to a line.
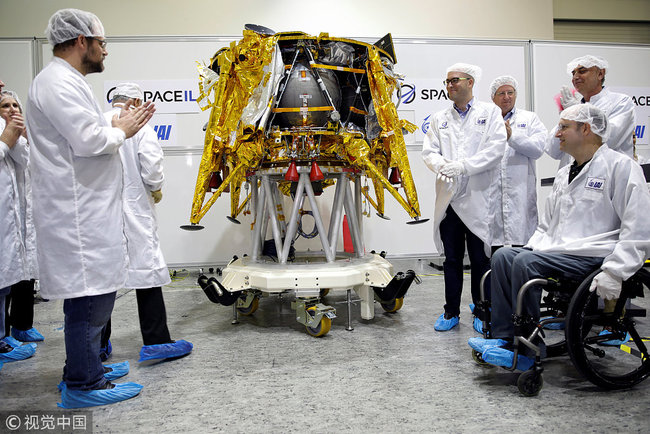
x: 464, y: 146
x: 516, y: 214
x: 77, y: 197
x: 588, y: 78
x: 594, y: 219
x: 142, y: 159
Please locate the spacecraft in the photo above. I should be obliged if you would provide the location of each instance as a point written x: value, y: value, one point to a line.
x: 292, y: 115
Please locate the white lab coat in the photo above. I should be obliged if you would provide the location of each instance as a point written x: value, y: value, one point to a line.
x: 77, y: 186
x: 602, y: 213
x: 619, y: 109
x: 515, y: 217
x: 479, y: 140
x: 142, y: 159
x: 17, y: 238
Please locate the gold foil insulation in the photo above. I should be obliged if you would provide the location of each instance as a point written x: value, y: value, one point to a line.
x: 233, y: 149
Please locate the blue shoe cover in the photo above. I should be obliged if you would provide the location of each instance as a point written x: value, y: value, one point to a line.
x: 119, y: 370
x: 482, y: 344
x: 19, y: 353
x: 553, y: 325
x: 105, y: 352
x: 502, y: 357
x: 613, y: 342
x: 478, y: 325
x: 92, y: 398
x: 31, y: 335
x: 443, y: 324
x: 12, y: 341
x: 165, y: 351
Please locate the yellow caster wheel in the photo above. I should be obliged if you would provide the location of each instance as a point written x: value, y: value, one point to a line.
x: 393, y: 306
x: 479, y: 360
x: 246, y: 311
x: 322, y: 328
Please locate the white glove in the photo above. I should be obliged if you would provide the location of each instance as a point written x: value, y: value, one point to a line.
x: 566, y: 97
x: 606, y: 286
x: 452, y: 169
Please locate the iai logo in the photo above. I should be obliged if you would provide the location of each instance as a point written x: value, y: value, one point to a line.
x: 481, y: 121
x: 408, y: 93
x: 426, y: 124
x: 522, y: 125
x: 595, y: 183
x: 443, y: 126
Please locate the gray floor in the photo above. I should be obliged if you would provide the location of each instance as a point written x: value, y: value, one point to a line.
x: 391, y: 374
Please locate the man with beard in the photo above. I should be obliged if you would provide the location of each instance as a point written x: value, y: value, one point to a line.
x: 77, y: 188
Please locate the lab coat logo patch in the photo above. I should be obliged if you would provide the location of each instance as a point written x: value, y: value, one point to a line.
x: 595, y: 183
x: 443, y: 125
x: 481, y: 121
x: 522, y: 125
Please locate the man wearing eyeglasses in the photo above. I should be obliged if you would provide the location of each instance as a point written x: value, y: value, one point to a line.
x: 463, y: 146
x: 588, y: 78
x: 77, y: 203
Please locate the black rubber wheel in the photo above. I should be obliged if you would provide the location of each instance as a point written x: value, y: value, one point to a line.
x: 530, y: 382
x: 608, y: 366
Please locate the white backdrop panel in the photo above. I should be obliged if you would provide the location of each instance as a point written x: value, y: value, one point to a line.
x: 17, y: 67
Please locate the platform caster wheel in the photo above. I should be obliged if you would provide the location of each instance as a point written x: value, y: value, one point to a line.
x: 530, y: 383
x: 246, y: 311
x: 322, y: 328
x: 479, y: 359
x: 324, y: 292
x: 393, y: 306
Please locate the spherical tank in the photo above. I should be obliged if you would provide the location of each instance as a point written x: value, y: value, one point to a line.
x: 302, y: 91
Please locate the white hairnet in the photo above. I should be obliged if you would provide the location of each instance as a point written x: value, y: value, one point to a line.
x: 504, y: 80
x: 587, y: 61
x: 588, y: 114
x: 67, y: 24
x: 471, y: 70
x: 128, y: 90
x: 11, y: 94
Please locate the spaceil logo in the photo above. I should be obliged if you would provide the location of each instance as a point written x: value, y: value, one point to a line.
x: 408, y: 93
x: 169, y: 96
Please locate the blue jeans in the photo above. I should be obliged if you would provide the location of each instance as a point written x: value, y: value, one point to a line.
x: 454, y: 234
x: 512, y: 267
x: 84, y: 319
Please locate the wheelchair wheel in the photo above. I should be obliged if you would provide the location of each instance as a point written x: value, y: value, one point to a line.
x: 530, y: 382
x: 605, y: 362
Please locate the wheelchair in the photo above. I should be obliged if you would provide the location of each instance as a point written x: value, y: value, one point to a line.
x: 607, y: 341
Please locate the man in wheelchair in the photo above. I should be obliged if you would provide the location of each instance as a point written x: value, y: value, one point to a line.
x: 595, y: 218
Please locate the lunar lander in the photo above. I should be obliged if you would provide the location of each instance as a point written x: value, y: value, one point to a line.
x: 293, y: 114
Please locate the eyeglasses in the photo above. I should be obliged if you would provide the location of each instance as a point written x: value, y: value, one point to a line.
x: 102, y: 42
x: 454, y: 80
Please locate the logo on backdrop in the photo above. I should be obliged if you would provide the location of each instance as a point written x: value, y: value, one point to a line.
x: 170, y: 96
x: 408, y: 93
